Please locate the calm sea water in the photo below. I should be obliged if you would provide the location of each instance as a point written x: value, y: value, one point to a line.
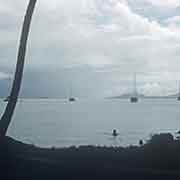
x: 60, y: 123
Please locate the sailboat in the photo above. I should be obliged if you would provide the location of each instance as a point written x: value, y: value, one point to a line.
x: 134, y: 97
x: 6, y: 99
x: 71, y: 98
x: 178, y: 98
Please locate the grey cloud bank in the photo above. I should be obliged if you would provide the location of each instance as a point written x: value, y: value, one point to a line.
x: 102, y: 42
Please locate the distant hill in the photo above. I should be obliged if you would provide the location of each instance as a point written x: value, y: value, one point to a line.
x: 173, y: 95
x: 128, y: 95
x: 125, y: 96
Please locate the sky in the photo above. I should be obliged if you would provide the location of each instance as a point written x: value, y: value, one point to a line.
x: 92, y: 48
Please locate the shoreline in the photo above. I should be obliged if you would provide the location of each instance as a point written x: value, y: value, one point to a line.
x: 158, y: 158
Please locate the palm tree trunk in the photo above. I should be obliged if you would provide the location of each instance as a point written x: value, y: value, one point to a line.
x: 7, y: 116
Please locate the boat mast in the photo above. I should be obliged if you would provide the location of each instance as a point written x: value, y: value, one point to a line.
x: 70, y: 93
x: 135, y: 86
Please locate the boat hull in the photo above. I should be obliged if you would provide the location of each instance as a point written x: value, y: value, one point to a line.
x: 72, y: 99
x: 134, y: 99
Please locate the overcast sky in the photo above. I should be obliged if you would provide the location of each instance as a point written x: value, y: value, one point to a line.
x: 93, y: 46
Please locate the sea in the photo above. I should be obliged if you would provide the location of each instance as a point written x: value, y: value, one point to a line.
x: 60, y: 123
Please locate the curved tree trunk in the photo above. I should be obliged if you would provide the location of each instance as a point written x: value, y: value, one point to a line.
x: 7, y: 116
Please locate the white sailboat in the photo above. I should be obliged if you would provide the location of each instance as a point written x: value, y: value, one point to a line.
x: 134, y: 97
x: 71, y: 98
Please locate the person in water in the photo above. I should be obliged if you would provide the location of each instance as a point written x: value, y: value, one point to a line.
x: 141, y: 142
x: 115, y: 133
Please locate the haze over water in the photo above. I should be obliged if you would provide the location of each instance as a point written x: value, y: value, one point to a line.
x: 61, y: 123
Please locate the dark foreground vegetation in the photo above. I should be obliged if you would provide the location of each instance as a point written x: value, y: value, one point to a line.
x: 158, y: 159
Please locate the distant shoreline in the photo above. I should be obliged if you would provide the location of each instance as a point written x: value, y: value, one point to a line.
x: 112, y: 97
x: 144, y: 97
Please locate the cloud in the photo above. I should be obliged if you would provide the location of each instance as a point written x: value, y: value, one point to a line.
x: 100, y: 34
x: 173, y: 23
x: 93, y: 37
x: 166, y: 4
x: 5, y: 76
x: 152, y: 89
